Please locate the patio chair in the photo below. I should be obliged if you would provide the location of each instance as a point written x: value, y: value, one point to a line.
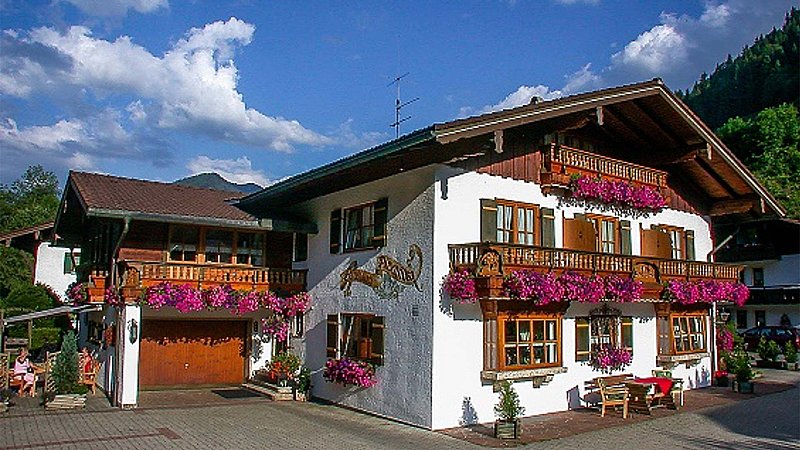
x: 5, y: 372
x: 49, y: 381
x: 90, y: 378
x: 612, y: 394
x: 677, y: 385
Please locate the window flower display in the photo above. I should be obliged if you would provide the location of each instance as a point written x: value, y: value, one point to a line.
x: 618, y: 193
x: 346, y: 371
x: 708, y: 291
x: 77, y: 293
x: 460, y: 286
x: 608, y: 358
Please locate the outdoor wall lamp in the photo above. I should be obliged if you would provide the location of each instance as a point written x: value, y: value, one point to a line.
x: 133, y: 330
x: 723, y: 315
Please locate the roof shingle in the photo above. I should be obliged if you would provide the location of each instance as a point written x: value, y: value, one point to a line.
x: 106, y: 192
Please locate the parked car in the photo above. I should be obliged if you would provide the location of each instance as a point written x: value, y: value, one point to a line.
x: 780, y: 334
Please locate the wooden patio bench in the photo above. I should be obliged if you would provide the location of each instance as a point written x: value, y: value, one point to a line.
x: 90, y: 378
x: 613, y: 393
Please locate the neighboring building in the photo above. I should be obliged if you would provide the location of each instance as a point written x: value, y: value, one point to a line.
x: 53, y: 266
x: 770, y: 249
x: 135, y: 234
x: 489, y: 195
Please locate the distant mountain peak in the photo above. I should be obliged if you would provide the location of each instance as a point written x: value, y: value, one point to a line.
x: 211, y: 180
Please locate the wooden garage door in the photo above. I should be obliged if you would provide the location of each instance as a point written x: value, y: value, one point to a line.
x: 191, y: 353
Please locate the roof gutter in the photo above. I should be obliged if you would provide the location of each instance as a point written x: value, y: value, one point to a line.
x: 255, y: 224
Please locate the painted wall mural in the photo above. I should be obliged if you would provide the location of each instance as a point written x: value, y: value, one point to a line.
x: 390, y: 276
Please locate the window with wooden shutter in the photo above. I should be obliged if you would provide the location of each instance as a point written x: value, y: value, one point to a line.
x: 625, y: 246
x: 356, y: 336
x: 548, y: 227
x: 582, y: 339
x: 690, y: 252
x: 336, y: 231
x: 682, y: 330
x: 490, y: 344
x: 656, y: 243
x: 381, y: 212
x: 579, y: 234
x: 488, y: 220
x: 332, y: 350
x: 602, y: 329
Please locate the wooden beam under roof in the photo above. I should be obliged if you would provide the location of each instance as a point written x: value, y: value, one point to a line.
x: 736, y: 206
x: 659, y: 124
x: 703, y: 164
x: 617, y: 116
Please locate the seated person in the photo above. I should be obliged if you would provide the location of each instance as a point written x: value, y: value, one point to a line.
x: 85, y: 363
x: 24, y: 372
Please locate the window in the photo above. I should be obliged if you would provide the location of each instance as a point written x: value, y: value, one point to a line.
x: 70, y: 258
x: 517, y: 223
x: 741, y: 318
x: 681, y: 242
x: 219, y: 246
x: 605, y: 232
x: 761, y: 317
x: 604, y: 326
x: 525, y: 341
x: 356, y: 336
x: 758, y: 276
x: 300, y: 247
x: 358, y: 228
x: 183, y: 243
x: 250, y: 249
x: 681, y: 333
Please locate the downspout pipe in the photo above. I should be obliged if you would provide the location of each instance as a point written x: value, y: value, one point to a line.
x: 722, y: 244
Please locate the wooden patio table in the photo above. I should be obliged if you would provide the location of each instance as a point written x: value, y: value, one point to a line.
x: 646, y: 393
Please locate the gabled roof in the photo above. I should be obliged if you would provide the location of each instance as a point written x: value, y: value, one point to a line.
x: 111, y: 196
x: 646, y: 116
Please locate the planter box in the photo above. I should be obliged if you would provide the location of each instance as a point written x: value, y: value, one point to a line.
x: 506, y: 430
x: 722, y: 381
x: 743, y: 387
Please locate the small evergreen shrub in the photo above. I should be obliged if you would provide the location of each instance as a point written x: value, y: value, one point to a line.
x: 65, y: 370
x: 509, y: 407
x: 790, y: 353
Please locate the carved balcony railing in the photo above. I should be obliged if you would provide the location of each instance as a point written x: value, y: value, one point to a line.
x: 561, y: 162
x: 489, y: 261
x: 137, y: 275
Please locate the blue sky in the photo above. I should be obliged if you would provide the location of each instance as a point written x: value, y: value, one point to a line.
x: 259, y: 91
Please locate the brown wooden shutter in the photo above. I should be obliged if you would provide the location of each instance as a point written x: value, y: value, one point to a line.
x: 488, y: 220
x: 582, y: 339
x: 490, y: 344
x: 376, y: 334
x: 656, y: 243
x: 690, y: 252
x: 547, y: 220
x: 625, y: 246
x: 579, y: 234
x: 380, y: 217
x: 336, y: 230
x: 332, y: 348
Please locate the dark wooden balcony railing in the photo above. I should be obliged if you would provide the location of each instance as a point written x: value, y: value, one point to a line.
x: 139, y: 274
x: 511, y: 257
x: 560, y: 162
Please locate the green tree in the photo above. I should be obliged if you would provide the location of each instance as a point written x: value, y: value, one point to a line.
x: 65, y: 370
x: 769, y: 144
x: 30, y: 200
x: 15, y: 269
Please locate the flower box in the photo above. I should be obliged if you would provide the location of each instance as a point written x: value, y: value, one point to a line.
x: 506, y: 429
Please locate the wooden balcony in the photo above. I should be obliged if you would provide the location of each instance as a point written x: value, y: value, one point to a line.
x: 139, y: 274
x: 490, y: 261
x: 561, y: 162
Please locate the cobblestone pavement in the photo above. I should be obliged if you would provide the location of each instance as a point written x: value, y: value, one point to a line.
x: 764, y: 422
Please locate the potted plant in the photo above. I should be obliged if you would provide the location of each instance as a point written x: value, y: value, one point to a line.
x: 790, y: 354
x: 302, y: 384
x: 721, y: 378
x: 508, y: 410
x: 738, y: 362
x: 768, y: 351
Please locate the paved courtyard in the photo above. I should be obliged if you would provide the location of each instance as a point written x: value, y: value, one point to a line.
x: 766, y: 422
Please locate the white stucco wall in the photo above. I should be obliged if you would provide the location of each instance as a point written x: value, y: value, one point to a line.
x: 459, y: 396
x: 404, y: 380
x: 782, y: 272
x: 50, y: 268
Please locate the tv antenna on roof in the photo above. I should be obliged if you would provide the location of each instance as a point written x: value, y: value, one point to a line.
x: 399, y: 105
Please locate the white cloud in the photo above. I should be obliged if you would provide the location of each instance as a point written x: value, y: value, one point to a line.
x: 346, y: 137
x: 239, y: 170
x: 110, y: 8
x: 522, y: 96
x: 191, y: 88
x: 653, y: 51
x: 43, y: 138
x: 572, y: 2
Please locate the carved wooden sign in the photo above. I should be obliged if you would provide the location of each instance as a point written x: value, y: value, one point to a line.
x: 646, y: 272
x: 489, y: 264
x: 390, y: 276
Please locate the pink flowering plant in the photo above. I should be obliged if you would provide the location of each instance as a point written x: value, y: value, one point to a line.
x: 707, y: 291
x: 544, y: 288
x: 112, y: 297
x: 77, y: 293
x: 346, y: 371
x: 725, y: 341
x: 460, y: 286
x: 619, y: 193
x: 609, y: 358
x: 186, y: 298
